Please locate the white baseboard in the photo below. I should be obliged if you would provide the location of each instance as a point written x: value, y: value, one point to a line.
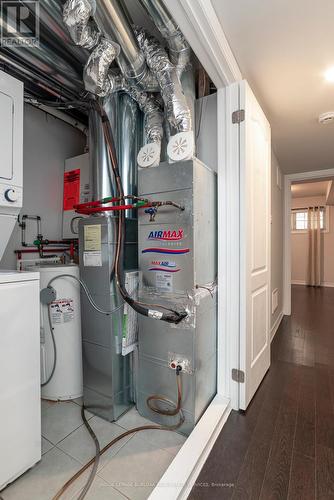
x: 275, y: 326
x: 324, y: 283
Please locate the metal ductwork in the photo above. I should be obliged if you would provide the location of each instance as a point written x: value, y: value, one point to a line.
x: 100, y: 167
x: 46, y: 62
x: 51, y: 20
x: 114, y: 23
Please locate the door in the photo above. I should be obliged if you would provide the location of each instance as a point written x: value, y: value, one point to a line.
x: 6, y: 136
x: 255, y: 189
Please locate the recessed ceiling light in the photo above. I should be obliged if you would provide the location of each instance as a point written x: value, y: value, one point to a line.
x: 329, y: 74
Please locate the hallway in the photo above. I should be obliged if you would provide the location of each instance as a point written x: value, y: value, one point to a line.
x: 283, y: 447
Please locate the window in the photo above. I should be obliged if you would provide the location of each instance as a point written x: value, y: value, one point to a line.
x: 299, y: 219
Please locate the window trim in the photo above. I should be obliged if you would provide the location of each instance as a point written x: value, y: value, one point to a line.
x: 304, y: 231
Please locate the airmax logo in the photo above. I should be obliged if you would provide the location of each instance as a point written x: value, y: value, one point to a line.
x: 164, y: 265
x: 166, y: 235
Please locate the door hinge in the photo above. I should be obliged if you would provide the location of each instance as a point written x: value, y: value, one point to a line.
x: 238, y: 116
x: 238, y: 375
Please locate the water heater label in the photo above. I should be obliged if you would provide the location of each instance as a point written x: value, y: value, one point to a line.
x: 92, y: 237
x: 62, y: 311
x: 71, y: 189
x: 164, y: 281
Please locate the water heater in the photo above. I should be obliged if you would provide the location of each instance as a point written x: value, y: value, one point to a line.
x: 65, y: 315
x: 11, y: 147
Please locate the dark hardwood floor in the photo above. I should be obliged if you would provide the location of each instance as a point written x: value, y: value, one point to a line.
x: 283, y: 446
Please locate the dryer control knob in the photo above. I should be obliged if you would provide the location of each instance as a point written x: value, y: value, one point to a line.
x: 11, y: 195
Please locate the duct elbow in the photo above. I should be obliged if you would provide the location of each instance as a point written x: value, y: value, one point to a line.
x: 96, y: 76
x: 77, y: 18
x: 178, y: 112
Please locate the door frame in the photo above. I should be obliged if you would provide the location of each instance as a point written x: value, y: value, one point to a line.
x: 203, y: 30
x: 288, y: 179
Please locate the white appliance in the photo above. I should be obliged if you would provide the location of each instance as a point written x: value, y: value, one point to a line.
x: 20, y: 403
x: 76, y: 190
x: 66, y: 382
x: 11, y: 147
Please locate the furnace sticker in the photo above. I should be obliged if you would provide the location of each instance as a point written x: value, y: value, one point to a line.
x: 164, y: 282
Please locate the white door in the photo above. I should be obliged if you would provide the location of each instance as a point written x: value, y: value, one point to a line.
x: 255, y: 199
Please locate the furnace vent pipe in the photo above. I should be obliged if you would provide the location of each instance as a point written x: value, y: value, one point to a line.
x: 100, y: 167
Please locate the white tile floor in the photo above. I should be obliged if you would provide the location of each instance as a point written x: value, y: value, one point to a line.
x: 128, y: 470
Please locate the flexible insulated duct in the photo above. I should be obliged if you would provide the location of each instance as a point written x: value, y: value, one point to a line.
x: 178, y: 112
x: 179, y: 50
x: 98, y: 80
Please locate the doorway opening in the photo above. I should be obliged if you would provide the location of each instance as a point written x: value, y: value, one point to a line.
x: 309, y: 230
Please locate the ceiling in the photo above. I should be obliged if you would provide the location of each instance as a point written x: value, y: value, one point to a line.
x: 307, y: 189
x: 283, y: 48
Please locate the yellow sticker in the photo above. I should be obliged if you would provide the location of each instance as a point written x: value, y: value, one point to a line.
x: 92, y: 237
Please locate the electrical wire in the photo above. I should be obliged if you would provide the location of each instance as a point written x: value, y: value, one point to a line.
x: 176, y: 411
x: 97, y: 456
x: 54, y: 349
x: 87, y: 292
x: 93, y: 304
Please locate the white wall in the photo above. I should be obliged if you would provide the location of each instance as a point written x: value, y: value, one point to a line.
x: 47, y: 143
x: 299, y: 246
x: 206, y: 130
x: 277, y: 203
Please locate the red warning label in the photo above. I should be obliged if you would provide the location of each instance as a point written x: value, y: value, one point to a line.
x: 71, y: 188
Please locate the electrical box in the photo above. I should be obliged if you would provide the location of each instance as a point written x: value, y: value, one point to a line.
x: 77, y: 189
x: 11, y: 147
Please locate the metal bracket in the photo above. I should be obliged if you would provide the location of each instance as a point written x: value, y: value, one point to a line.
x: 238, y: 375
x: 238, y: 116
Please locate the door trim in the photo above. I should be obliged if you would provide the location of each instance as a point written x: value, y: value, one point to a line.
x: 201, y: 26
